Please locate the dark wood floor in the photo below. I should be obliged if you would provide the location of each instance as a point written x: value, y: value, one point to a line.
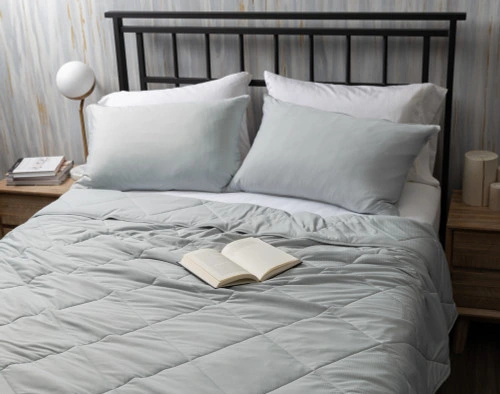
x: 477, y: 369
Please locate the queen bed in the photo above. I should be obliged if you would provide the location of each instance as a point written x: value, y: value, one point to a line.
x: 94, y: 299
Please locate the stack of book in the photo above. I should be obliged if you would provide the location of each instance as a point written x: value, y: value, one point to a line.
x: 48, y: 170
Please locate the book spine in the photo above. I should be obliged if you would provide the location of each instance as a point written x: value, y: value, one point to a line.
x: 14, y: 166
x: 23, y: 175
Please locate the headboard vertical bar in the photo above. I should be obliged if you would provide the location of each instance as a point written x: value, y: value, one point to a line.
x: 207, y: 56
x: 242, y: 52
x: 276, y: 54
x: 385, y: 61
x: 425, y: 59
x: 311, y: 57
x: 176, y: 57
x: 447, y: 129
x: 141, y: 60
x: 121, y: 60
x: 348, y: 60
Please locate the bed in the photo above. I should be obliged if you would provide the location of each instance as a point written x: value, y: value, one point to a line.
x: 94, y: 299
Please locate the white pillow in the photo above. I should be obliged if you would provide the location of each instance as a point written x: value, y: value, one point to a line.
x: 414, y: 103
x: 174, y: 146
x: 233, y: 85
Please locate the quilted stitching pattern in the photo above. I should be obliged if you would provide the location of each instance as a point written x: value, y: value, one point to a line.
x: 95, y: 302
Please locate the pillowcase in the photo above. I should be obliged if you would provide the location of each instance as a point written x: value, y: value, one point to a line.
x: 358, y: 164
x: 414, y: 103
x: 183, y: 146
x: 233, y: 85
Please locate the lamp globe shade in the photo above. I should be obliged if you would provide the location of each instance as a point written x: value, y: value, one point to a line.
x: 75, y: 80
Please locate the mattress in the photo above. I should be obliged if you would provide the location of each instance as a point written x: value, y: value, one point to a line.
x: 94, y: 301
x: 418, y: 201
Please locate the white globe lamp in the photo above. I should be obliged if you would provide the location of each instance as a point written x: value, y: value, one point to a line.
x: 76, y: 81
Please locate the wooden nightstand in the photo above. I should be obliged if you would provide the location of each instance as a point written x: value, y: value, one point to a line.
x: 19, y: 203
x: 473, y: 253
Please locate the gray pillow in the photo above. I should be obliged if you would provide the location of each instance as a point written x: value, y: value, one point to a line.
x: 182, y: 146
x: 358, y: 164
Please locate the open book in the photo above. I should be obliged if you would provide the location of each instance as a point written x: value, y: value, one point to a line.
x: 243, y: 261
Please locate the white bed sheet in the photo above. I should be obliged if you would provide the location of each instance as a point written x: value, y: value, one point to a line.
x: 418, y: 201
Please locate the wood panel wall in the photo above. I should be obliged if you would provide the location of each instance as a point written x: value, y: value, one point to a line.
x: 37, y: 37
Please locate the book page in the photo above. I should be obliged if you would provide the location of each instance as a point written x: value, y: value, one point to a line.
x: 217, y: 266
x: 258, y: 257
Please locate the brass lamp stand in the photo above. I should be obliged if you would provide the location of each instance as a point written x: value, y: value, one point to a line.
x: 82, y: 120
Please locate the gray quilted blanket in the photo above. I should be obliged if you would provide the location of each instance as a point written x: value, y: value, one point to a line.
x: 92, y: 300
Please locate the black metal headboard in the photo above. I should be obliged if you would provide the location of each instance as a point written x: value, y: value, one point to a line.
x: 447, y: 29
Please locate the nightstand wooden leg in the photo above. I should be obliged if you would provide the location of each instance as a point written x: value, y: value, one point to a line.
x: 460, y: 334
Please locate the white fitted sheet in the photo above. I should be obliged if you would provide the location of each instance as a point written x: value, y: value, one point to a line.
x: 418, y: 201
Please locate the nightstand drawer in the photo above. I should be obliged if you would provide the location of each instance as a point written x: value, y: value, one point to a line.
x: 476, y: 249
x: 473, y: 253
x: 16, y: 209
x: 476, y: 289
x: 19, y: 203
